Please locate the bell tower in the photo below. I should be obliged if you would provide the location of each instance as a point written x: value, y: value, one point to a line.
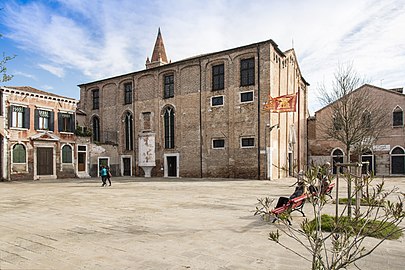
x: 159, y: 53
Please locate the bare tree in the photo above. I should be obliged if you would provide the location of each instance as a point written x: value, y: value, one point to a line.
x: 356, y: 118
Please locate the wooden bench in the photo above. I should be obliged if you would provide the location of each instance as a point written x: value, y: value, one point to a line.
x: 292, y: 205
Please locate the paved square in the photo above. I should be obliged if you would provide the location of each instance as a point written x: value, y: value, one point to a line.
x: 150, y: 224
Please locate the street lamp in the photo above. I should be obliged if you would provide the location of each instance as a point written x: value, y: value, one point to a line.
x: 265, y: 145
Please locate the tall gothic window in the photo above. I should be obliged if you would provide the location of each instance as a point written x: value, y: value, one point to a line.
x: 169, y: 86
x: 129, y: 145
x: 169, y: 127
x: 96, y: 99
x: 96, y: 129
x: 397, y: 117
x: 128, y: 93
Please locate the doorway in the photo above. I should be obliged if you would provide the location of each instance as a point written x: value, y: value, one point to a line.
x: 337, y: 157
x: 171, y: 165
x: 44, y: 161
x: 102, y: 161
x: 127, y: 166
x: 81, y: 158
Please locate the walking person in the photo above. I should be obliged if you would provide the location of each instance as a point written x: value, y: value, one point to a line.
x: 108, y: 175
x: 103, y: 174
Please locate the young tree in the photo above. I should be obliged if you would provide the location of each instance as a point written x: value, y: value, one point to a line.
x: 337, y: 242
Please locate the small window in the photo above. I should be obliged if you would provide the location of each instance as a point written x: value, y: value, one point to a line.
x: 218, y: 143
x: 96, y: 101
x: 217, y: 101
x: 218, y: 77
x: 66, y: 154
x: 19, y: 154
x: 66, y: 122
x: 19, y: 117
x: 81, y: 148
x: 247, y: 142
x: 169, y: 86
x: 128, y: 93
x: 247, y: 72
x: 398, y: 117
x: 44, y: 120
x: 146, y: 120
x: 246, y: 97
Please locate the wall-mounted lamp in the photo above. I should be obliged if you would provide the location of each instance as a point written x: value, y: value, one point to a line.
x: 273, y: 127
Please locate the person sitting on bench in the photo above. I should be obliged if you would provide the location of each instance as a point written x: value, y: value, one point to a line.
x: 299, y: 190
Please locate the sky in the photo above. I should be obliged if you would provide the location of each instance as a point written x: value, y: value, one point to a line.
x: 59, y: 44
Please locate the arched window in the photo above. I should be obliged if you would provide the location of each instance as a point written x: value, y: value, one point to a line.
x: 96, y: 129
x: 367, y: 156
x: 129, y: 145
x: 169, y: 127
x: 337, y: 157
x: 66, y: 154
x: 366, y: 119
x: 398, y: 160
x: 397, y: 117
x: 337, y: 122
x: 19, y: 154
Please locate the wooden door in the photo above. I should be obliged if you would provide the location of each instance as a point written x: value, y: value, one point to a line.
x: 81, y: 163
x: 127, y: 166
x: 172, y: 166
x: 44, y: 161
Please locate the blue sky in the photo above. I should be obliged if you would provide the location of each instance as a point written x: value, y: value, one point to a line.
x: 62, y: 43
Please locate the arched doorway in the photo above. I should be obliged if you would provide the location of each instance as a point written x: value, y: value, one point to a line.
x: 337, y: 157
x: 397, y: 160
x: 368, y: 156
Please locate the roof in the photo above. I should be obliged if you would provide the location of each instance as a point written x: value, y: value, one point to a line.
x: 194, y: 58
x: 390, y: 91
x: 29, y: 89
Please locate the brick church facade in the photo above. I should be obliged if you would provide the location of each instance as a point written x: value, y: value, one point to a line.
x: 200, y: 117
x: 387, y: 154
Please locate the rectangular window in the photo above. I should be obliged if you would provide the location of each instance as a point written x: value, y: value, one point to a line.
x: 247, y: 72
x: 96, y: 101
x: 246, y: 97
x: 128, y: 93
x: 218, y: 143
x: 247, y: 142
x: 66, y: 122
x: 169, y: 86
x: 17, y: 117
x: 217, y: 101
x: 218, y: 77
x: 146, y: 120
x: 43, y: 120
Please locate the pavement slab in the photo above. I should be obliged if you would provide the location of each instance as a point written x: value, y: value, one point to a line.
x: 152, y: 223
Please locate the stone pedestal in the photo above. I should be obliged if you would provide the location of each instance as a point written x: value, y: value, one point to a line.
x: 147, y: 152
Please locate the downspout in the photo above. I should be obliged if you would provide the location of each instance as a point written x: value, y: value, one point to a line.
x: 201, y: 165
x: 258, y: 112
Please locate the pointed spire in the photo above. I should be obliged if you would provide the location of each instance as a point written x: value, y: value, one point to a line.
x: 159, y: 49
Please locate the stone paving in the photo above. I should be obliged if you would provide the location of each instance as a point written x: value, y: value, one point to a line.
x: 151, y: 224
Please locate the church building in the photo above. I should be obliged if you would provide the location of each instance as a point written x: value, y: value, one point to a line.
x: 207, y: 116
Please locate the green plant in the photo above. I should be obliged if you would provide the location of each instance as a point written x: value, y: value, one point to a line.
x: 335, y: 242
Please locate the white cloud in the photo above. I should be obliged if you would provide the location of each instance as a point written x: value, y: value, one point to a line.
x: 23, y: 74
x: 57, y: 71
x: 107, y: 38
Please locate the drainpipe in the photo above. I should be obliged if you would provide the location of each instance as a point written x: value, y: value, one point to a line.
x: 258, y: 112
x: 201, y: 139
